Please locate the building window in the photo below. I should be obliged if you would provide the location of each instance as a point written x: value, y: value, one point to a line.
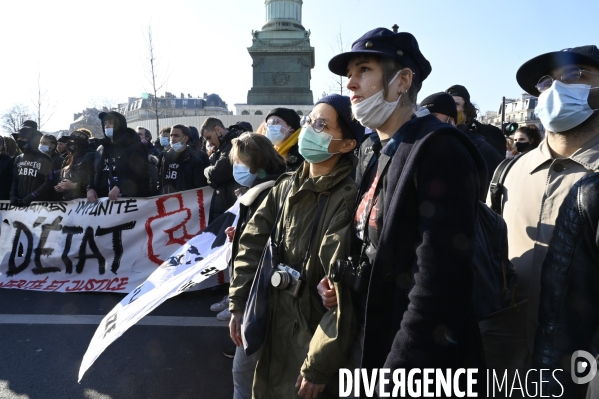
x: 258, y: 113
x: 245, y: 113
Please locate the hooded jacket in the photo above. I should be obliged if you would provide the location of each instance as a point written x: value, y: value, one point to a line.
x: 181, y: 171
x: 220, y: 177
x: 32, y: 175
x: 122, y: 162
x: 6, y: 171
x: 302, y: 336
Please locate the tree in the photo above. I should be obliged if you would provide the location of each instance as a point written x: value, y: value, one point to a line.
x: 13, y: 118
x: 338, y: 48
x: 157, y: 105
x: 42, y: 109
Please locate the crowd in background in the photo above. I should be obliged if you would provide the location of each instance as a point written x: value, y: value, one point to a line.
x: 367, y: 208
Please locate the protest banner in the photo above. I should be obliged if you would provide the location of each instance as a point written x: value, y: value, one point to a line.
x: 201, y: 257
x: 107, y: 246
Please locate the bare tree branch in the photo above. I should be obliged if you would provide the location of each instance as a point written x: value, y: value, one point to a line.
x: 157, y: 105
x: 43, y: 110
x: 339, y: 81
x: 13, y: 118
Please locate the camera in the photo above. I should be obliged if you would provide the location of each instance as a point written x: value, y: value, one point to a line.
x: 287, y: 279
x: 354, y: 273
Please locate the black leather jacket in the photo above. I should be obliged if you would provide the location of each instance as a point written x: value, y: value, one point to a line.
x: 569, y: 312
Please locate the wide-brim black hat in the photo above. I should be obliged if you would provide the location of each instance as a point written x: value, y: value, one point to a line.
x: 401, y: 46
x: 530, y: 72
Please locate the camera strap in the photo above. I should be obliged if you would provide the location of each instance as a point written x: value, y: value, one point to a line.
x: 273, y: 232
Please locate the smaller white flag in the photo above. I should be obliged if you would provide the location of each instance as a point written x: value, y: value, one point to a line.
x: 203, y: 256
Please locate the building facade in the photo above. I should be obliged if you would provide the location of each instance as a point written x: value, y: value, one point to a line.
x: 282, y: 62
x: 138, y: 109
x: 517, y: 110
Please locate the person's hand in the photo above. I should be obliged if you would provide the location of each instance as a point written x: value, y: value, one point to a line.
x: 326, y: 290
x: 65, y: 185
x: 308, y: 389
x: 92, y: 196
x: 230, y: 232
x: 113, y: 195
x: 28, y: 199
x: 235, y: 327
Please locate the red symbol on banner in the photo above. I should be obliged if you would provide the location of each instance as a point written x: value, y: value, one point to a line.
x: 173, y: 224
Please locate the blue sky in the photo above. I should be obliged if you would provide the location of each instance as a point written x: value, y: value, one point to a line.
x: 94, y: 54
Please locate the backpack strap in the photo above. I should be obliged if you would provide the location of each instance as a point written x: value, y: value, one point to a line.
x: 496, y: 187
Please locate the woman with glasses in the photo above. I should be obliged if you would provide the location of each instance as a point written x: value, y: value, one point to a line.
x: 282, y: 129
x: 305, y: 345
x: 419, y: 185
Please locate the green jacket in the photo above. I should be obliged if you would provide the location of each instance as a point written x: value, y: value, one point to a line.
x: 302, y: 334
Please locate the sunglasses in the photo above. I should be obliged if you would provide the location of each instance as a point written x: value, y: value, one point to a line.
x: 569, y: 76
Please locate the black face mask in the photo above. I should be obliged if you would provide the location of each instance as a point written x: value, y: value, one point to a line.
x: 23, y: 145
x: 72, y: 147
x: 522, y: 147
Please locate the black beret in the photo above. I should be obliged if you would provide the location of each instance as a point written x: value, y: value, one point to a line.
x: 531, y: 71
x: 288, y: 115
x: 459, y: 91
x: 401, y: 46
x: 342, y: 105
x: 441, y: 103
x: 243, y: 126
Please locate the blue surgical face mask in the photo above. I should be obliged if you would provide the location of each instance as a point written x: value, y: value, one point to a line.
x: 164, y: 141
x: 274, y: 134
x: 109, y: 132
x: 313, y: 146
x: 564, y: 106
x: 44, y: 148
x: 177, y: 146
x: 242, y: 174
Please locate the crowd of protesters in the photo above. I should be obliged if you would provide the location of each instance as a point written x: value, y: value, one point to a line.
x: 381, y: 182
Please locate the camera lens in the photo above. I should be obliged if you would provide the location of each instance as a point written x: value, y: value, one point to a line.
x: 336, y: 272
x: 280, y: 280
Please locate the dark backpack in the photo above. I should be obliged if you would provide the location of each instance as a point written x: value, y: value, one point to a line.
x: 494, y: 276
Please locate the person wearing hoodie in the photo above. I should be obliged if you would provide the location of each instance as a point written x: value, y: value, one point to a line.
x: 48, y: 145
x: 181, y: 168
x: 6, y: 167
x: 220, y: 171
x: 78, y: 168
x: 283, y: 129
x: 121, y: 166
x: 32, y: 171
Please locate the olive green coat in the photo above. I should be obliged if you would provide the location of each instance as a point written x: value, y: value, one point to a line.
x: 302, y: 334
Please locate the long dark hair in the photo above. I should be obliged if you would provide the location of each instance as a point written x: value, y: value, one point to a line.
x: 80, y: 139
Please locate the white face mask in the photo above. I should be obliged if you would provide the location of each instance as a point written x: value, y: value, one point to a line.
x: 274, y: 134
x: 44, y: 148
x: 178, y: 146
x: 374, y: 111
x: 109, y: 132
x: 564, y: 106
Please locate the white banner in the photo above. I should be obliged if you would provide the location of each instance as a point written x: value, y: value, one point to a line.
x: 203, y: 256
x: 107, y: 246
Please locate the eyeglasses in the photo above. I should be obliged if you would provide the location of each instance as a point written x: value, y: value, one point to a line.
x: 273, y: 121
x: 569, y: 76
x: 317, y: 124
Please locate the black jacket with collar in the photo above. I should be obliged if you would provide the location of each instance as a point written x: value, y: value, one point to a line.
x: 220, y: 177
x: 190, y: 173
x: 131, y: 163
x: 419, y: 312
x: 569, y: 311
